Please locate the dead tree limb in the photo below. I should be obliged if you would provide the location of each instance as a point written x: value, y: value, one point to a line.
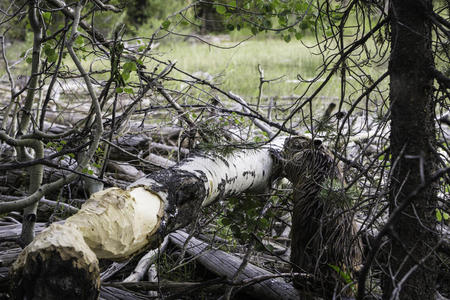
x: 224, y: 264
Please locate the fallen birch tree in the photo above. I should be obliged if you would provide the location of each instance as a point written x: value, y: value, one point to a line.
x: 62, y: 262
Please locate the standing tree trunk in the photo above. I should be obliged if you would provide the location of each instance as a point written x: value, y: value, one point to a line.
x: 410, y: 274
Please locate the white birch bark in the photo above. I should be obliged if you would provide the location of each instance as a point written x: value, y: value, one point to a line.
x: 248, y: 170
x: 116, y: 223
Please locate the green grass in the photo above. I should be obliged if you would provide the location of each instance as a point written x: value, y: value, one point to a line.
x: 236, y: 69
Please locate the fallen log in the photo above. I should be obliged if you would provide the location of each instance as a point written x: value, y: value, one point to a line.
x: 174, y: 288
x: 12, y: 232
x: 112, y: 293
x: 224, y: 264
x: 7, y: 257
x: 62, y: 262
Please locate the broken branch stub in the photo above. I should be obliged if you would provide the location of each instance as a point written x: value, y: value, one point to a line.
x: 116, y: 224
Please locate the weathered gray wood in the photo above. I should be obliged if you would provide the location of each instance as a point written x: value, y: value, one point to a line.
x: 7, y: 257
x: 130, y: 171
x: 12, y: 232
x: 224, y: 264
x: 113, y: 269
x: 112, y: 293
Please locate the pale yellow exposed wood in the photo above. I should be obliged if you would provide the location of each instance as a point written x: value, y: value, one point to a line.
x: 116, y: 223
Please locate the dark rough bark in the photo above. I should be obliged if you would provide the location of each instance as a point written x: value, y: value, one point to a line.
x: 185, y: 193
x: 412, y: 148
x: 51, y: 277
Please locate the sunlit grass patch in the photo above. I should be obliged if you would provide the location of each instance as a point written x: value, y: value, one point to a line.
x: 236, y: 69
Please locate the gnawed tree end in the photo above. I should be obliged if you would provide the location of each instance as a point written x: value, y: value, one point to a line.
x: 62, y: 262
x: 116, y: 224
x: 58, y: 264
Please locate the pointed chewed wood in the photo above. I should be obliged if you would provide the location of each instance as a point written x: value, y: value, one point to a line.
x: 116, y: 224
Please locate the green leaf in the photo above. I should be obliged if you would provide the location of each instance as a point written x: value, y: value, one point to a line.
x: 282, y: 21
x: 128, y: 90
x: 264, y: 223
x: 71, y: 155
x: 344, y: 275
x: 226, y: 221
x: 29, y: 60
x: 129, y: 66
x: 230, y: 27
x: 221, y: 9
x: 47, y: 15
x: 165, y: 24
x: 267, y: 23
x: 287, y: 38
x: 304, y: 25
x: 90, y: 172
x: 298, y: 35
x: 125, y: 75
x: 119, y: 90
x: 85, y: 170
x: 438, y: 215
x: 50, y: 52
x: 96, y: 165
x: 53, y: 58
x: 441, y: 215
x: 79, y: 41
